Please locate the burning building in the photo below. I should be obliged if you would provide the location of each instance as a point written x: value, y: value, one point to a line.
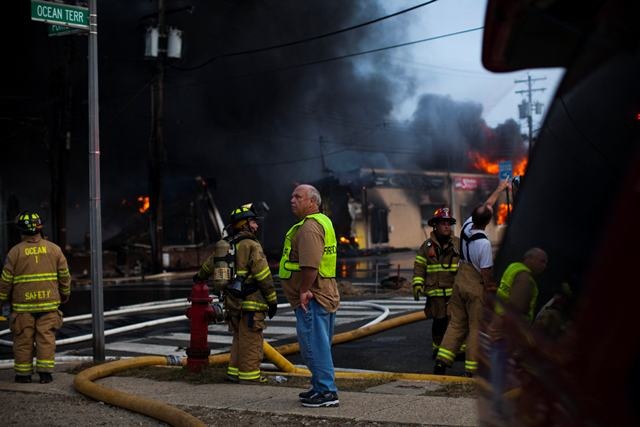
x: 376, y: 208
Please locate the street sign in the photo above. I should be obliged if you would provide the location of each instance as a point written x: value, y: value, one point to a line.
x: 59, y: 30
x: 505, y: 169
x: 60, y: 14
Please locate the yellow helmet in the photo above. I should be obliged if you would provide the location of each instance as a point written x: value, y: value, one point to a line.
x: 241, y: 215
x: 29, y: 223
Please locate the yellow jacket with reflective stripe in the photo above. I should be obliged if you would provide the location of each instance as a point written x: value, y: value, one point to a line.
x: 435, y: 266
x: 34, y: 275
x: 329, y: 258
x: 506, y: 283
x: 250, y: 263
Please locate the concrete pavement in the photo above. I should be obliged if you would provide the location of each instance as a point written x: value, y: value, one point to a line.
x: 397, y: 403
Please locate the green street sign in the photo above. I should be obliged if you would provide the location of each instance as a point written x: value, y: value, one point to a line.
x: 59, y: 30
x: 60, y: 14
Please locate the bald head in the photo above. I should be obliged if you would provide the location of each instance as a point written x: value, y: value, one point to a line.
x: 536, y: 259
x: 305, y: 200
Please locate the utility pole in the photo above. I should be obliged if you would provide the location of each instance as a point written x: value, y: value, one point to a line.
x: 526, y: 107
x: 157, y: 147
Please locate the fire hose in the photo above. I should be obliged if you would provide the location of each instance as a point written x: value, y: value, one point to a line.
x: 84, y: 381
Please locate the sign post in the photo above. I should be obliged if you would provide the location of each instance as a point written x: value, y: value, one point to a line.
x: 83, y: 18
x: 506, y: 169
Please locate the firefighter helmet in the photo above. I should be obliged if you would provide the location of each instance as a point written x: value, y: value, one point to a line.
x: 441, y: 214
x: 29, y: 223
x: 239, y: 216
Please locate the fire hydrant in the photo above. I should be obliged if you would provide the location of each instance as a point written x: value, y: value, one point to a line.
x: 200, y: 313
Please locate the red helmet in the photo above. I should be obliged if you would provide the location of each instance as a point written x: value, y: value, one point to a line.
x: 441, y: 214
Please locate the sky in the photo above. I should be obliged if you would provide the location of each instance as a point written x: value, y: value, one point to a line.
x: 258, y: 123
x: 452, y: 66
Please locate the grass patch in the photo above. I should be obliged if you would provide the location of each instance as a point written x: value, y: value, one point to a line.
x: 77, y: 368
x: 217, y: 374
x: 455, y: 390
x: 208, y: 375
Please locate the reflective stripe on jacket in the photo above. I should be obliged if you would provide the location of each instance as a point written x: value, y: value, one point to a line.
x: 34, y: 276
x: 506, y: 283
x: 435, y: 266
x: 251, y: 264
x: 327, y: 267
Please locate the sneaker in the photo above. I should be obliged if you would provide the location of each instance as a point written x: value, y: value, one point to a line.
x: 306, y: 394
x: 24, y: 379
x: 439, y: 368
x: 321, y: 400
x: 45, y: 377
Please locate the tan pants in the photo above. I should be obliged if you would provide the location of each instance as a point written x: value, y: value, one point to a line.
x: 39, y: 329
x: 246, y: 347
x: 465, y: 307
x: 436, y: 308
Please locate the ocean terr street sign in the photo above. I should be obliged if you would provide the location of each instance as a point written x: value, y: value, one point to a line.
x: 60, y: 14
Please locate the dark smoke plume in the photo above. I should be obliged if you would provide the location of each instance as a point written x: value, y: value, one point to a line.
x: 253, y: 124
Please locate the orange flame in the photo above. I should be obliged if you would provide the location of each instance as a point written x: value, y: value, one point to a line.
x: 502, y: 212
x: 144, y: 204
x: 483, y: 163
x: 520, y: 167
x: 492, y: 167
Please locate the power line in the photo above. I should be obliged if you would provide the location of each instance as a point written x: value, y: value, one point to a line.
x: 308, y: 39
x: 350, y: 55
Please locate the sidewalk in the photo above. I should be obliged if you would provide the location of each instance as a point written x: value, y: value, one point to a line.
x: 396, y: 403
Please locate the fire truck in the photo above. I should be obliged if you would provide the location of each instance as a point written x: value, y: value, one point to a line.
x: 579, y: 201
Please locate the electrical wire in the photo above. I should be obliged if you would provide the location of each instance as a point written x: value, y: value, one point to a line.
x: 351, y: 55
x: 305, y: 40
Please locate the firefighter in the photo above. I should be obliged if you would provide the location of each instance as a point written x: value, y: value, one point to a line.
x: 473, y: 281
x: 35, y: 280
x: 248, y: 299
x: 434, y: 269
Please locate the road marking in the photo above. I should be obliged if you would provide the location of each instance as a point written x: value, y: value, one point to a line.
x: 282, y: 326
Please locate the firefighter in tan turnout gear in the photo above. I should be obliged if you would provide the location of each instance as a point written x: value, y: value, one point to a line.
x: 35, y: 280
x: 249, y: 296
x: 473, y: 281
x: 434, y: 270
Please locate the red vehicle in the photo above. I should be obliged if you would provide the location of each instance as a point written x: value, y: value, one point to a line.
x: 579, y: 201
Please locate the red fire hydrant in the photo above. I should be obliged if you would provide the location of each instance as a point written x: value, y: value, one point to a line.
x: 201, y: 314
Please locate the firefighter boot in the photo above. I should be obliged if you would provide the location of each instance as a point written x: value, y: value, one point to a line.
x: 439, y: 368
x: 24, y: 379
x: 45, y: 377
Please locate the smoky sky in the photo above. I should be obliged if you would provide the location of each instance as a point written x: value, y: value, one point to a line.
x: 254, y: 124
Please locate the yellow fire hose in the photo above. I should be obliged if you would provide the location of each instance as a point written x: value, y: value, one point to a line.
x: 83, y: 381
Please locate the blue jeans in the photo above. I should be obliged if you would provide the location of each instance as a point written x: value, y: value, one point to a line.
x: 315, y: 332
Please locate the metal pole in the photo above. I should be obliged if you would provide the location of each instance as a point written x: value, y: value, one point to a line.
x: 377, y: 279
x: 156, y: 147
x: 529, y: 116
x: 95, y: 220
x: 529, y: 91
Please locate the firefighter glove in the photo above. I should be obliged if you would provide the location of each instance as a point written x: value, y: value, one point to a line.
x: 417, y: 291
x: 273, y: 309
x: 64, y: 298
